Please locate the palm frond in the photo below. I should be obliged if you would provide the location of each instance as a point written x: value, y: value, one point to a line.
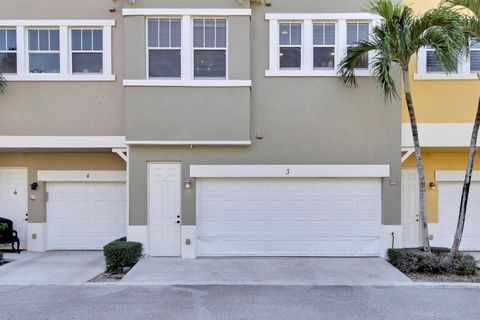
x: 347, y: 66
x: 3, y: 84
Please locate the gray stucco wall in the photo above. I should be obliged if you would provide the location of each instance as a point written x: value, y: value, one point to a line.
x: 65, y: 108
x: 303, y: 121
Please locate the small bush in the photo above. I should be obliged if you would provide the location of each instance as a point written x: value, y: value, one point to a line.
x: 416, y: 260
x: 1, y: 256
x: 121, y: 253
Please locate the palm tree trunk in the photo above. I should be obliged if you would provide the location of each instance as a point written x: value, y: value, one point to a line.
x: 466, y: 188
x: 418, y: 155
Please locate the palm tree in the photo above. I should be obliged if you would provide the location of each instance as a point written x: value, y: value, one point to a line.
x: 471, y: 9
x: 396, y: 40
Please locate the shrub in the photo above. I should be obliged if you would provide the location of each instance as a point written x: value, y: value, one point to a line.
x: 416, y: 260
x: 121, y: 253
x: 1, y: 256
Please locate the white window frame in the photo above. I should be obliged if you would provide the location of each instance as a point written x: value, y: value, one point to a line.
x: 64, y: 27
x: 6, y: 47
x: 301, y: 45
x: 28, y: 51
x: 70, y: 47
x: 370, y: 55
x: 340, y: 20
x: 325, y: 45
x: 192, y: 53
x: 463, y: 73
x: 148, y: 48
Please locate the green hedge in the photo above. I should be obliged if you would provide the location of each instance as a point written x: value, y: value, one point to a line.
x: 416, y: 260
x: 122, y: 253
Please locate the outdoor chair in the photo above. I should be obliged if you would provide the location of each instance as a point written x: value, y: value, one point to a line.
x: 8, y: 235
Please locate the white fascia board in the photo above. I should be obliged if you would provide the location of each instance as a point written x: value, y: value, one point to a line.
x: 82, y: 175
x: 289, y: 171
x: 190, y: 143
x: 186, y: 83
x: 57, y: 23
x: 186, y: 12
x: 64, y: 142
x: 439, y: 135
x: 54, y: 77
x: 455, y: 175
x: 322, y: 16
x: 442, y: 76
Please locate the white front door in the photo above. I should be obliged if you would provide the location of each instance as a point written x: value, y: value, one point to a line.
x: 288, y: 217
x: 164, y: 208
x: 410, y: 208
x: 85, y: 215
x: 14, y: 200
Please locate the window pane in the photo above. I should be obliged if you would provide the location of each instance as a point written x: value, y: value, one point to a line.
x: 318, y: 34
x: 97, y: 40
x: 475, y: 44
x: 475, y: 61
x: 296, y: 29
x: 11, y: 40
x: 290, y: 58
x: 54, y: 40
x: 221, y: 33
x: 8, y: 63
x: 284, y: 34
x: 433, y: 65
x: 44, y: 43
x: 198, y: 33
x: 76, y: 40
x: 164, y: 33
x: 3, y: 40
x: 176, y: 33
x: 153, y: 33
x: 87, y: 63
x: 352, y: 33
x: 210, y: 33
x: 86, y: 39
x: 44, y: 63
x: 210, y: 63
x: 33, y: 39
x: 324, y: 58
x: 164, y: 63
x: 363, y: 31
x: 329, y: 34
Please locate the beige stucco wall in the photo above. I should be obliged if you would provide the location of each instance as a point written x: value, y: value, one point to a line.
x: 65, y: 108
x: 56, y: 161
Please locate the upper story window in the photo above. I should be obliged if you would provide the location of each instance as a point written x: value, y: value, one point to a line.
x: 43, y: 51
x: 290, y: 40
x: 56, y: 50
x: 356, y: 32
x: 164, y: 47
x: 475, y: 56
x: 210, y: 48
x: 87, y: 51
x: 8, y: 51
x: 324, y: 39
x: 313, y: 44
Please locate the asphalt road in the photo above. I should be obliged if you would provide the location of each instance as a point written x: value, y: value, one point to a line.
x: 237, y: 302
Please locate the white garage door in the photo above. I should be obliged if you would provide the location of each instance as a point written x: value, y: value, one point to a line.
x: 449, y: 194
x: 288, y: 217
x: 85, y: 215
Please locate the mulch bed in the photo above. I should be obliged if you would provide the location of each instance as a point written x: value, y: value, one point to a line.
x: 109, y: 276
x: 444, y: 277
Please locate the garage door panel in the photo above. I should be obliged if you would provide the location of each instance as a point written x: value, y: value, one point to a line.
x: 288, y: 216
x: 85, y: 216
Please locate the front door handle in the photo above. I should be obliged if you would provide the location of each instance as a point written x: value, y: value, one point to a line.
x: 178, y: 222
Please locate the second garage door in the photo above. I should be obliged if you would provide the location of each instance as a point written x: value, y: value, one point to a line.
x: 288, y: 217
x: 85, y: 215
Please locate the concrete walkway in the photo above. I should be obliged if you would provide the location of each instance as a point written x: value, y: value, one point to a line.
x: 52, y: 268
x: 264, y: 271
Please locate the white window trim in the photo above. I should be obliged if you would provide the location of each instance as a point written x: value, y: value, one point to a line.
x: 6, y: 43
x: 72, y: 52
x: 290, y: 171
x: 308, y: 20
x: 463, y: 73
x: 186, y: 83
x: 49, y: 51
x: 186, y: 12
x: 64, y: 26
x: 336, y: 58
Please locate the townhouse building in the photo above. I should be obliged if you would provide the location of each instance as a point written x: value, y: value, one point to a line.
x: 446, y: 106
x: 212, y: 128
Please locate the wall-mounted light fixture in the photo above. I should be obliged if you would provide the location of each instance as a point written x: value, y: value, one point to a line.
x: 187, y: 183
x: 433, y: 185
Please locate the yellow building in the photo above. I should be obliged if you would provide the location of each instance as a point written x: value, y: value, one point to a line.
x: 445, y: 107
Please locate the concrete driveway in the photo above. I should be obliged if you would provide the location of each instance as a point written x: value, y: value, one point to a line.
x: 52, y: 268
x: 264, y: 271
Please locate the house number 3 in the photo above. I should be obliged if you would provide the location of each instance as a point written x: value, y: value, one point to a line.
x: 287, y: 172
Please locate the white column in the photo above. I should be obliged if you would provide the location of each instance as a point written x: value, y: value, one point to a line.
x: 21, y: 51
x: 341, y: 47
x: 187, y: 48
x: 274, y: 63
x: 64, y: 52
x: 307, y: 46
x: 107, y: 50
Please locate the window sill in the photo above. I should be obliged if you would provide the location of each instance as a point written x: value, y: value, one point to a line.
x: 186, y: 83
x: 50, y: 77
x: 442, y: 76
x: 313, y: 73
